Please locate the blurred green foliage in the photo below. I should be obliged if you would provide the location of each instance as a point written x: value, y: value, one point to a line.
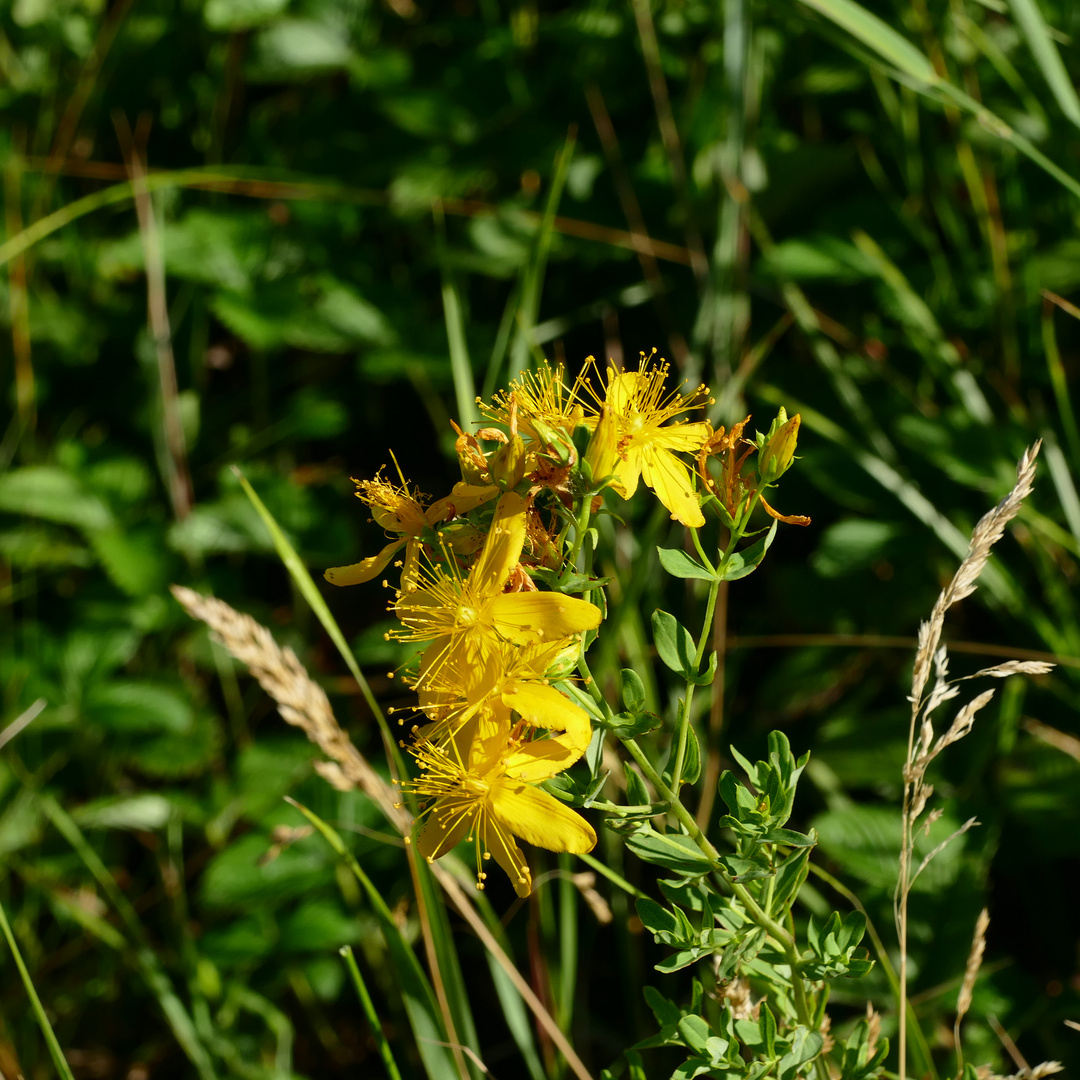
x: 348, y: 193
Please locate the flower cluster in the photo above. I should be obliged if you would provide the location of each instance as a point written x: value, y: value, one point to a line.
x: 490, y: 584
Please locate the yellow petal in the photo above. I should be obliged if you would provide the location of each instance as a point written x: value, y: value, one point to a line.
x: 543, y: 758
x: 497, y: 839
x: 688, y: 438
x: 446, y: 825
x: 502, y: 548
x: 670, y: 479
x: 543, y: 706
x: 539, y: 818
x: 532, y: 616
x: 364, y: 570
x: 627, y: 472
x: 465, y: 497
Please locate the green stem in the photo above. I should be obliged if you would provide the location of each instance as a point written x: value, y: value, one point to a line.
x: 368, y: 1006
x: 51, y: 1041
x: 581, y: 527
x: 688, y: 697
x: 686, y: 819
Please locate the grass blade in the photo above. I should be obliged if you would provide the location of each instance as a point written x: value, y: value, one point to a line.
x: 532, y: 281
x: 1047, y: 58
x: 368, y: 1006
x: 460, y: 364
x: 416, y: 990
x: 51, y: 1041
x: 146, y: 960
x: 310, y: 591
x: 879, y: 36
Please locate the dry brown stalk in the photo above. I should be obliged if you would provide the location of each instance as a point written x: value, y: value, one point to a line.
x: 304, y: 703
x: 971, y: 973
x: 923, y: 747
x: 300, y: 701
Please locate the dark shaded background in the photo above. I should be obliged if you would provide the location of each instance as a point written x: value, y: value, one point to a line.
x: 331, y: 178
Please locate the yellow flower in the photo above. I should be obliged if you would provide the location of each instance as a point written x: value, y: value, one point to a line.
x: 401, y: 510
x: 510, y: 680
x: 492, y: 798
x: 541, y: 404
x: 468, y: 618
x: 634, y: 440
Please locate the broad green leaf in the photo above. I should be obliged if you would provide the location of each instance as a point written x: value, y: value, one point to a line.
x: 139, y: 707
x: 52, y: 493
x: 144, y: 812
x: 677, y: 563
x: 670, y: 850
x: 232, y: 15
x: 674, y: 644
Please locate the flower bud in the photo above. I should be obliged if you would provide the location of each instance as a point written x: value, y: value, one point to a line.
x: 602, y: 453
x: 778, y: 450
x: 507, y: 466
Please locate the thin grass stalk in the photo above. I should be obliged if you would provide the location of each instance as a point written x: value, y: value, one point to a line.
x: 377, y: 1033
x: 427, y: 1005
x: 532, y: 279
x: 460, y: 364
x: 301, y: 702
x: 635, y: 218
x: 146, y: 960
x: 921, y: 749
x: 239, y: 181
x: 669, y: 133
x: 47, y: 1032
x: 18, y: 299
x: 1058, y: 379
x: 309, y: 590
x: 568, y: 944
x: 177, y: 475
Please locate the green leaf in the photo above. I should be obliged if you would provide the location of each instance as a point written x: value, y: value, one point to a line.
x: 878, y: 35
x: 139, y: 707
x: 674, y: 851
x: 636, y: 792
x: 318, y: 925
x: 53, y: 494
x: 695, y: 1031
x: 240, y: 877
x: 633, y: 690
x: 674, y: 644
x: 1047, y: 58
x: 656, y: 919
x: 144, y: 812
x: 789, y: 837
x: 745, y: 562
x: 681, y: 565
x: 241, y: 14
